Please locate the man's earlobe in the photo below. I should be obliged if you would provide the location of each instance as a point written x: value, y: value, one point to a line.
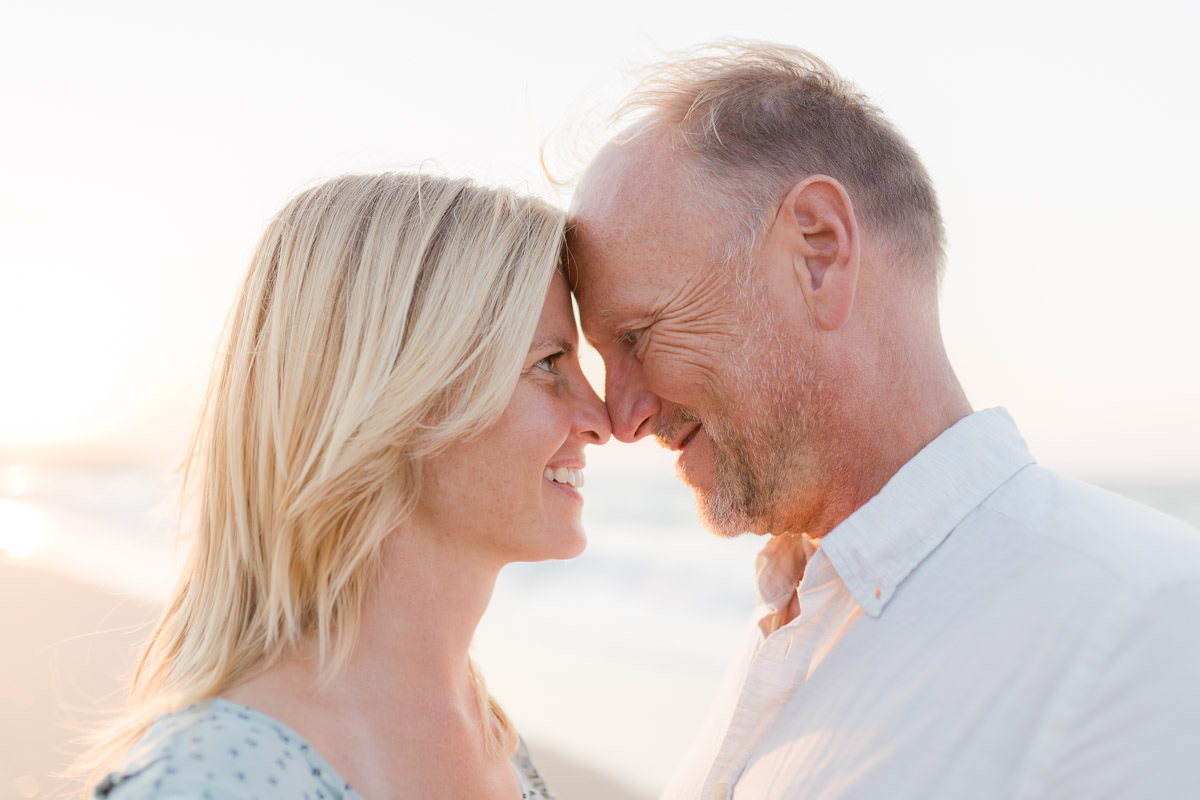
x: 822, y: 230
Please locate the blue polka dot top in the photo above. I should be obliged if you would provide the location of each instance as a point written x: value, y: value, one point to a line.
x: 219, y: 750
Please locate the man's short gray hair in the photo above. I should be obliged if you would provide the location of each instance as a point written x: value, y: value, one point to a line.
x: 756, y: 118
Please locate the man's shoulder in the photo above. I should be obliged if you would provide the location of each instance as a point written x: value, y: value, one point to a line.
x: 1070, y: 520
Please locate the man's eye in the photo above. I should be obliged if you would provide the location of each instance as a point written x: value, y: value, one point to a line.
x: 547, y: 363
x: 629, y: 338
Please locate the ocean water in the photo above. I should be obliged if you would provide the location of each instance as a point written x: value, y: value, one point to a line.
x: 611, y: 658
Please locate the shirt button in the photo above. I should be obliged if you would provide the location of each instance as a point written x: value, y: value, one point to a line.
x: 721, y: 792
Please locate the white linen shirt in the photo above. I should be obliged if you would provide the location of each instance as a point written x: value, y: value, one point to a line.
x: 982, y: 628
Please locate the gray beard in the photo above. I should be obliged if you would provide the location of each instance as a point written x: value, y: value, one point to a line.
x: 759, y: 466
x: 756, y: 468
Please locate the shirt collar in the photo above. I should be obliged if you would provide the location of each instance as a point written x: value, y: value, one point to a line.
x: 878, y: 546
x: 779, y: 568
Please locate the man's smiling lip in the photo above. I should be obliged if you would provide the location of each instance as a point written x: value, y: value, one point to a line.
x: 683, y: 441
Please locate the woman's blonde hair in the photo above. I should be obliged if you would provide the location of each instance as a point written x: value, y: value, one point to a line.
x: 383, y: 316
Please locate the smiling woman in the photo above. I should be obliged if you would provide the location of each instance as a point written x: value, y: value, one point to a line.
x: 530, y: 510
x: 375, y: 447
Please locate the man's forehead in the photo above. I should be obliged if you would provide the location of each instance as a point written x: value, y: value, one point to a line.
x: 597, y: 275
x: 628, y: 179
x: 601, y: 183
x: 635, y: 231
x: 616, y: 263
x: 634, y: 196
x: 620, y: 288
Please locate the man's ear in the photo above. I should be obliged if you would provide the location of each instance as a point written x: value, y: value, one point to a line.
x: 821, y: 230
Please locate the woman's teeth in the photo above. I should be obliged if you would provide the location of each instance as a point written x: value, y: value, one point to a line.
x: 571, y: 477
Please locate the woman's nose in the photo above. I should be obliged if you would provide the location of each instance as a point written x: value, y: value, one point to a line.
x: 592, y: 416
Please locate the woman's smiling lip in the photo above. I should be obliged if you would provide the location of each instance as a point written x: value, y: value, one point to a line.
x: 572, y: 493
x: 568, y: 476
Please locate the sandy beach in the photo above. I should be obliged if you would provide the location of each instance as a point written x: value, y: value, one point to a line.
x: 69, y: 649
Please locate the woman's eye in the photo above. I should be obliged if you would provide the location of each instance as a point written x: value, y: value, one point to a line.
x: 547, y: 363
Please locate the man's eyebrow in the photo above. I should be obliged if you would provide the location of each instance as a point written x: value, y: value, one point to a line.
x: 605, y: 316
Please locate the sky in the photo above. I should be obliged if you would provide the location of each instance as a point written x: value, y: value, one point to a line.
x: 145, y: 145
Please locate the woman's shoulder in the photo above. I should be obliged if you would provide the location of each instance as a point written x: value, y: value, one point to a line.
x: 219, y: 750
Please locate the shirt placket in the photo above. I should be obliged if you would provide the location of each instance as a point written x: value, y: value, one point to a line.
x: 776, y: 672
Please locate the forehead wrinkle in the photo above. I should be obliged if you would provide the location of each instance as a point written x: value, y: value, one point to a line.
x: 708, y: 293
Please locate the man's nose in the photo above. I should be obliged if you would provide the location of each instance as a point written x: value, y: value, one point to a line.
x: 632, y: 407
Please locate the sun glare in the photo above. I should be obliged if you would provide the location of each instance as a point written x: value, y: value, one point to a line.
x: 22, y: 528
x: 16, y: 481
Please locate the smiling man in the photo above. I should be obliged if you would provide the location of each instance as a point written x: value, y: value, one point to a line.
x: 757, y: 260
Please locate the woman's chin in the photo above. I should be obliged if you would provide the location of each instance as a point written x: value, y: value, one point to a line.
x: 566, y: 545
x: 578, y: 545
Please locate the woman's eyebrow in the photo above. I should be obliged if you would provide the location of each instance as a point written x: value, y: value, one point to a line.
x: 552, y: 342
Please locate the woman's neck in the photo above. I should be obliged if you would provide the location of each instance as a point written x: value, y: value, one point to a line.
x: 405, y: 690
x: 419, y: 616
